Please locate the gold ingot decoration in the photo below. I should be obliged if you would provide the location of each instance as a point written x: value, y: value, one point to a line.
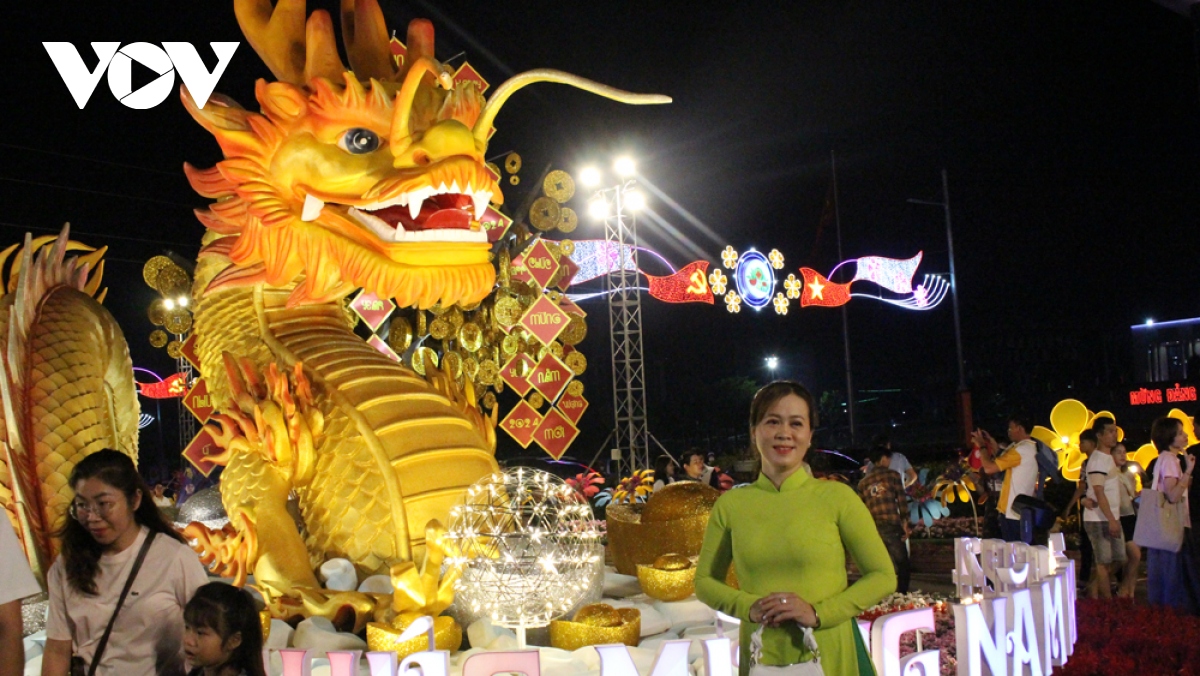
x: 575, y: 332
x: 470, y: 367
x: 157, y: 312
x: 512, y: 163
x: 597, y: 624
x: 566, y: 246
x: 576, y: 362
x: 508, y: 311
x: 440, y: 329
x: 175, y: 349
x: 151, y: 269
x: 545, y: 214
x: 447, y: 635
x: 178, y: 322
x: 568, y: 220
x: 158, y: 338
x: 510, y: 345
x: 418, y: 359
x: 172, y: 280
x: 559, y: 186
x: 470, y: 336
x: 672, y: 577
x: 575, y: 388
x: 536, y: 400
x: 400, y: 335
x: 452, y: 362
x: 672, y: 521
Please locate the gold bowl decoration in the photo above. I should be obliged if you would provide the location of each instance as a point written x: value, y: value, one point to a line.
x: 597, y: 624
x: 671, y: 577
x: 386, y: 638
x: 672, y: 521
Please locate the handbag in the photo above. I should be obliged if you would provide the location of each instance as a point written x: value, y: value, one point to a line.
x: 1159, y: 521
x: 78, y: 666
x: 809, y: 668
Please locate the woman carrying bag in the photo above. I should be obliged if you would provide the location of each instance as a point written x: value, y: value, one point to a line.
x: 1163, y: 517
x: 121, y: 581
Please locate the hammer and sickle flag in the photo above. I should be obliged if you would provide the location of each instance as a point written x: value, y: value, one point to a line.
x: 821, y: 292
x: 688, y: 285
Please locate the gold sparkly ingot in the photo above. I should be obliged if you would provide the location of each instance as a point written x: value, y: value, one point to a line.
x: 508, y: 311
x: 559, y: 186
x: 575, y: 388
x: 178, y: 322
x: 675, y: 584
x: 151, y: 269
x: 597, y: 624
x: 418, y: 358
x: 575, y: 331
x: 536, y: 400
x: 470, y: 336
x: 512, y: 163
x: 157, y: 313
x: 568, y: 220
x: 576, y: 362
x: 545, y: 214
x: 672, y: 521
x: 158, y: 338
x: 452, y: 363
x: 400, y: 335
x: 566, y: 246
x: 175, y: 349
x: 447, y: 635
x: 440, y: 329
x: 510, y: 345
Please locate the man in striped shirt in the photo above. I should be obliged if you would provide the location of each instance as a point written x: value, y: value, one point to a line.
x: 883, y: 492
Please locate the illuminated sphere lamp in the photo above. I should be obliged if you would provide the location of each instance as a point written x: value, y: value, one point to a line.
x: 755, y: 279
x: 528, y: 548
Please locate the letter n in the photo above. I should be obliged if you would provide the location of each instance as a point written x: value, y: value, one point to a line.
x: 982, y: 650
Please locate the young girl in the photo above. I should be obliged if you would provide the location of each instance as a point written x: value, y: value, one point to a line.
x: 222, y: 634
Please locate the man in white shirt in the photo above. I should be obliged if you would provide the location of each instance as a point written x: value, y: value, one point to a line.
x: 18, y: 584
x: 1019, y: 464
x: 1101, y: 523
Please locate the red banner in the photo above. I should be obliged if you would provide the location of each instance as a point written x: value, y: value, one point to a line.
x: 821, y: 292
x: 173, y: 387
x: 688, y: 285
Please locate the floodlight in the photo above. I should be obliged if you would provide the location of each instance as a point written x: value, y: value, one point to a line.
x: 624, y: 166
x: 589, y: 177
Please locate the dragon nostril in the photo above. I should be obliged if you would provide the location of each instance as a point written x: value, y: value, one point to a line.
x: 421, y: 158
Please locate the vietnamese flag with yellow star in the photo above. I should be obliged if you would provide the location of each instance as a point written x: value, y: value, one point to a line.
x: 821, y: 292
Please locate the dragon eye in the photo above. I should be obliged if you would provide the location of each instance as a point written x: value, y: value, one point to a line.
x: 359, y: 141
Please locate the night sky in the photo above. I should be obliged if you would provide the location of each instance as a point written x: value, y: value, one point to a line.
x: 1069, y: 131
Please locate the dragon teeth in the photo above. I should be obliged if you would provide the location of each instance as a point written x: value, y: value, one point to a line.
x: 414, y: 208
x: 481, y: 200
x: 312, y: 208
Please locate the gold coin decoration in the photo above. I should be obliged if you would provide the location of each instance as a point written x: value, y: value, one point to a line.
x: 400, y: 335
x: 568, y: 220
x: 175, y: 349
x: 554, y: 348
x: 455, y: 317
x: 418, y: 359
x: 545, y: 214
x: 489, y: 400
x: 178, y: 321
x: 575, y: 332
x: 575, y: 388
x: 567, y: 247
x: 437, y: 310
x: 441, y: 329
x: 470, y: 336
x: 559, y: 186
x: 514, y: 179
x: 536, y: 400
x: 510, y: 345
x: 508, y: 311
x: 452, y: 363
x: 512, y: 163
x: 576, y: 362
x: 172, y: 280
x: 157, y: 313
x: 470, y: 367
x: 158, y: 337
x: 488, y: 371
x: 421, y: 330
x: 151, y: 269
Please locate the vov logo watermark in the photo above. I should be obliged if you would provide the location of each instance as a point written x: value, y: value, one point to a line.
x: 118, y: 61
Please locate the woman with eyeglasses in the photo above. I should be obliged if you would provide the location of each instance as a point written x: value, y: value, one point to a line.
x: 112, y: 517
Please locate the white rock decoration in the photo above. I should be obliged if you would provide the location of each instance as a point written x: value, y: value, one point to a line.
x: 339, y: 575
x: 376, y: 584
x: 319, y: 635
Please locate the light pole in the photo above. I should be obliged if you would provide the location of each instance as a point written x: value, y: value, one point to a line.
x: 617, y: 206
x: 964, y: 394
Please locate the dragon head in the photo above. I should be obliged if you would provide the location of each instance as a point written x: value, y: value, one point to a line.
x: 370, y: 177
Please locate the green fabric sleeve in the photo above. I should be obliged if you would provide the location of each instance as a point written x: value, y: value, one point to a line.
x: 716, y: 556
x: 862, y: 540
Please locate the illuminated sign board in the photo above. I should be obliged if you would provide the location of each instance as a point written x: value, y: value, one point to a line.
x: 1144, y: 396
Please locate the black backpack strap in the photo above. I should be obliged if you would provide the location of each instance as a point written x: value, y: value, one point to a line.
x: 137, y: 565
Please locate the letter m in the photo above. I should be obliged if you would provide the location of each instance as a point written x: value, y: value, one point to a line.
x: 79, y: 80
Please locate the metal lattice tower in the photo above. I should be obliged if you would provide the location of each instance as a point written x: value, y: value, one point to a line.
x: 630, y: 433
x: 187, y: 421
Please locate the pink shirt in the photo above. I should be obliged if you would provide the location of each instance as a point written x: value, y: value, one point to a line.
x: 147, y: 637
x: 1168, y: 467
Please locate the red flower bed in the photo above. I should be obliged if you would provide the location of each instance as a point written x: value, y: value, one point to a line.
x: 1123, y: 637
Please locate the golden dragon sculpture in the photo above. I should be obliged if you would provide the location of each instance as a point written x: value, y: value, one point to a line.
x: 371, y: 177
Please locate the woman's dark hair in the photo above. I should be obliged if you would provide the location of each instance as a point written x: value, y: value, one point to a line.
x: 765, y: 398
x: 661, y: 464
x: 230, y: 610
x: 80, y: 551
x: 1163, y: 431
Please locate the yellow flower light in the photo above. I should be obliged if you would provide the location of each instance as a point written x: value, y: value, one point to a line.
x: 776, y: 259
x: 793, y: 286
x: 781, y: 304
x: 729, y: 257
x: 717, y: 281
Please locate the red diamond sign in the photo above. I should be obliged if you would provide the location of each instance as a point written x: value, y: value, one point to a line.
x: 495, y: 223
x: 188, y: 350
x: 519, y: 271
x: 513, y: 370
x: 550, y: 376
x: 199, y: 449
x: 544, y: 320
x: 521, y: 422
x: 199, y: 402
x: 571, y: 269
x: 556, y: 433
x: 385, y: 349
x: 542, y: 264
x: 569, y: 305
x: 573, y: 406
x: 468, y: 73
x: 372, y: 309
x: 398, y: 50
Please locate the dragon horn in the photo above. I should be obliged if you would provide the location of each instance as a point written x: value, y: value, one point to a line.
x: 275, y: 33
x: 366, y: 38
x: 510, y: 86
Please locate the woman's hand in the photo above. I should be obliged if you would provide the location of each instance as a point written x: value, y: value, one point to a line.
x: 774, y: 609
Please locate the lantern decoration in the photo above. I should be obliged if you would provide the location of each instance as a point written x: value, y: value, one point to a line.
x: 528, y: 548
